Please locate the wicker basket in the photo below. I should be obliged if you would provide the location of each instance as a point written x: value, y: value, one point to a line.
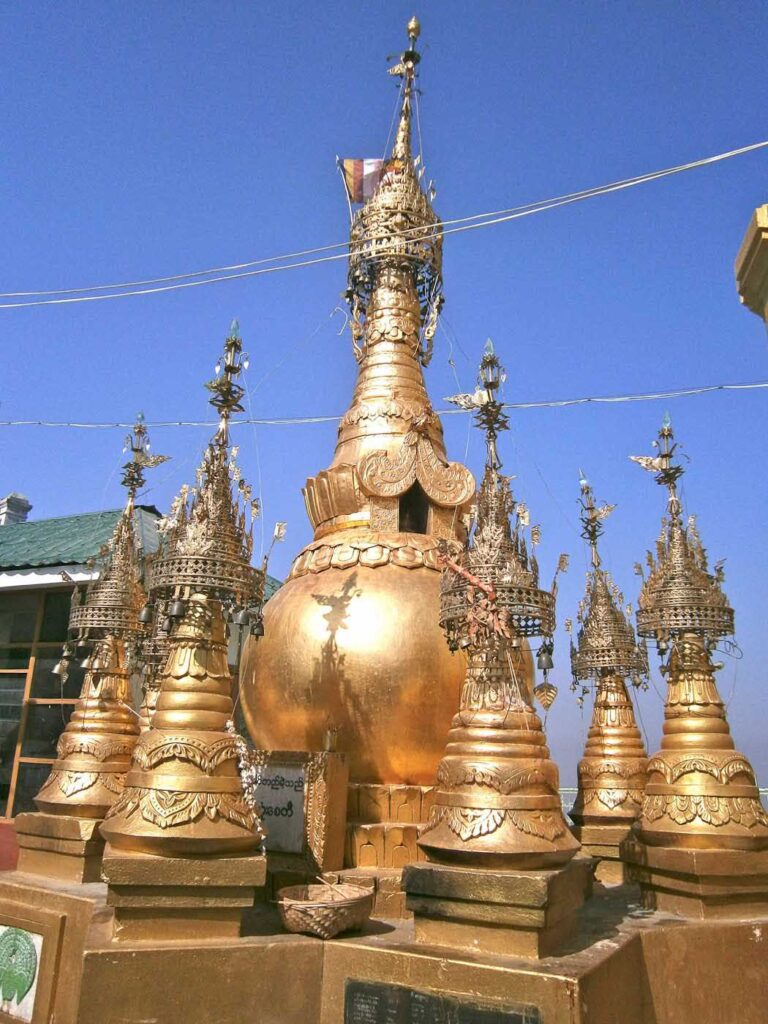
x: 324, y: 910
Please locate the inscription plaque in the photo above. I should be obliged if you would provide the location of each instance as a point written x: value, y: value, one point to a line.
x: 368, y: 1002
x: 303, y: 800
x: 280, y: 795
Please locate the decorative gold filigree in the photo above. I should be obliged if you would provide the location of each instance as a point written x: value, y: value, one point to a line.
x: 170, y: 809
x: 446, y: 483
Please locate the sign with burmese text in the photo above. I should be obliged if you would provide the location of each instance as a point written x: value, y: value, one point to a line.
x: 368, y: 1002
x: 280, y: 794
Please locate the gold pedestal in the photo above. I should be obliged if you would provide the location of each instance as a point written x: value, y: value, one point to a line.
x: 512, y: 913
x: 384, y: 823
x: 603, y: 843
x: 174, y: 898
x: 705, y: 884
x: 59, y: 846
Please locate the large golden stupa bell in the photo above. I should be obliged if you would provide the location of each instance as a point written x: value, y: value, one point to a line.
x: 352, y: 641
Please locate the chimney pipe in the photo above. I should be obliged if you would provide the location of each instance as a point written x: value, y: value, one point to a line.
x: 14, y: 509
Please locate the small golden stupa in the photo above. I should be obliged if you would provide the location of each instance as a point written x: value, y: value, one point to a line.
x: 94, y: 751
x: 497, y: 801
x: 611, y: 773
x: 183, y: 824
x: 701, y: 841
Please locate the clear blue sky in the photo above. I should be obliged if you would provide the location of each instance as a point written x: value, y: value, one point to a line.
x: 145, y: 139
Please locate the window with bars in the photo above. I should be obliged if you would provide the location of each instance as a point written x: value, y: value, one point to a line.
x: 34, y: 704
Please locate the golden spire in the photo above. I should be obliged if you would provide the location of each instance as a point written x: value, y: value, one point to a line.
x: 183, y: 793
x: 94, y: 751
x: 611, y: 773
x: 701, y: 792
x: 395, y: 292
x: 110, y: 604
x: 208, y: 536
x: 391, y: 438
x: 497, y: 800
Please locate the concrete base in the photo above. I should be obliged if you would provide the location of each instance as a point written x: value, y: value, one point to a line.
x: 624, y: 965
x: 60, y: 846
x: 705, y: 884
x: 517, y: 913
x: 180, y: 898
x: 603, y: 842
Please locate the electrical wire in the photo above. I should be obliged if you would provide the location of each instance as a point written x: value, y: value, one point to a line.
x: 450, y: 226
x: 282, y: 421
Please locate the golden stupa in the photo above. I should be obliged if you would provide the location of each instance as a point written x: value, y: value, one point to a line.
x: 352, y: 644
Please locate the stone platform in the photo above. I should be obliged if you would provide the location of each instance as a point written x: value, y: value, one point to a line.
x: 624, y: 965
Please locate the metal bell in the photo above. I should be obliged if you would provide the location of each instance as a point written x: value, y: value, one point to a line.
x: 257, y: 627
x: 241, y: 617
x: 177, y: 610
x: 145, y: 615
x: 544, y: 658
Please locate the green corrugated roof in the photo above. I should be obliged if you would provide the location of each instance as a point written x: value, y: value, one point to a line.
x: 69, y: 540
x: 72, y: 540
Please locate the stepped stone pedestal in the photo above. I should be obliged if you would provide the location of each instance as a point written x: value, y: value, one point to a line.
x: 706, y: 884
x: 158, y: 898
x: 59, y: 846
x: 509, y: 912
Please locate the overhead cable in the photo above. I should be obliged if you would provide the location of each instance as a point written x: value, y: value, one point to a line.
x: 450, y: 226
x: 281, y: 421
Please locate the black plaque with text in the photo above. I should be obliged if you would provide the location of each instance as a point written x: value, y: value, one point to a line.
x: 368, y: 1002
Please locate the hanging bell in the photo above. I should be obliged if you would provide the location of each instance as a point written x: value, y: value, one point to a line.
x: 177, y: 610
x: 544, y: 657
x: 145, y: 615
x: 60, y: 668
x: 241, y: 618
x: 257, y: 627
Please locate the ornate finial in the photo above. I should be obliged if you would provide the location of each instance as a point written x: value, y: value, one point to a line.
x: 667, y: 472
x: 137, y: 443
x: 110, y: 605
x: 225, y: 390
x: 397, y: 232
x: 592, y: 518
x: 605, y: 640
x: 414, y: 30
x: 680, y: 595
x: 489, y: 411
x: 500, y: 562
x: 208, y: 535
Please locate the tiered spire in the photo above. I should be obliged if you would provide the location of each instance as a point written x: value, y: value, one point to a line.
x: 94, y: 751
x: 207, y: 538
x: 701, y: 792
x: 497, y: 800
x: 183, y: 792
x: 611, y: 773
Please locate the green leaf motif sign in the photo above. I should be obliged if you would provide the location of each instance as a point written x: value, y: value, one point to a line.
x: 18, y: 964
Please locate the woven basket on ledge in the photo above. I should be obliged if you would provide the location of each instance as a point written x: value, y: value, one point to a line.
x: 324, y: 910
